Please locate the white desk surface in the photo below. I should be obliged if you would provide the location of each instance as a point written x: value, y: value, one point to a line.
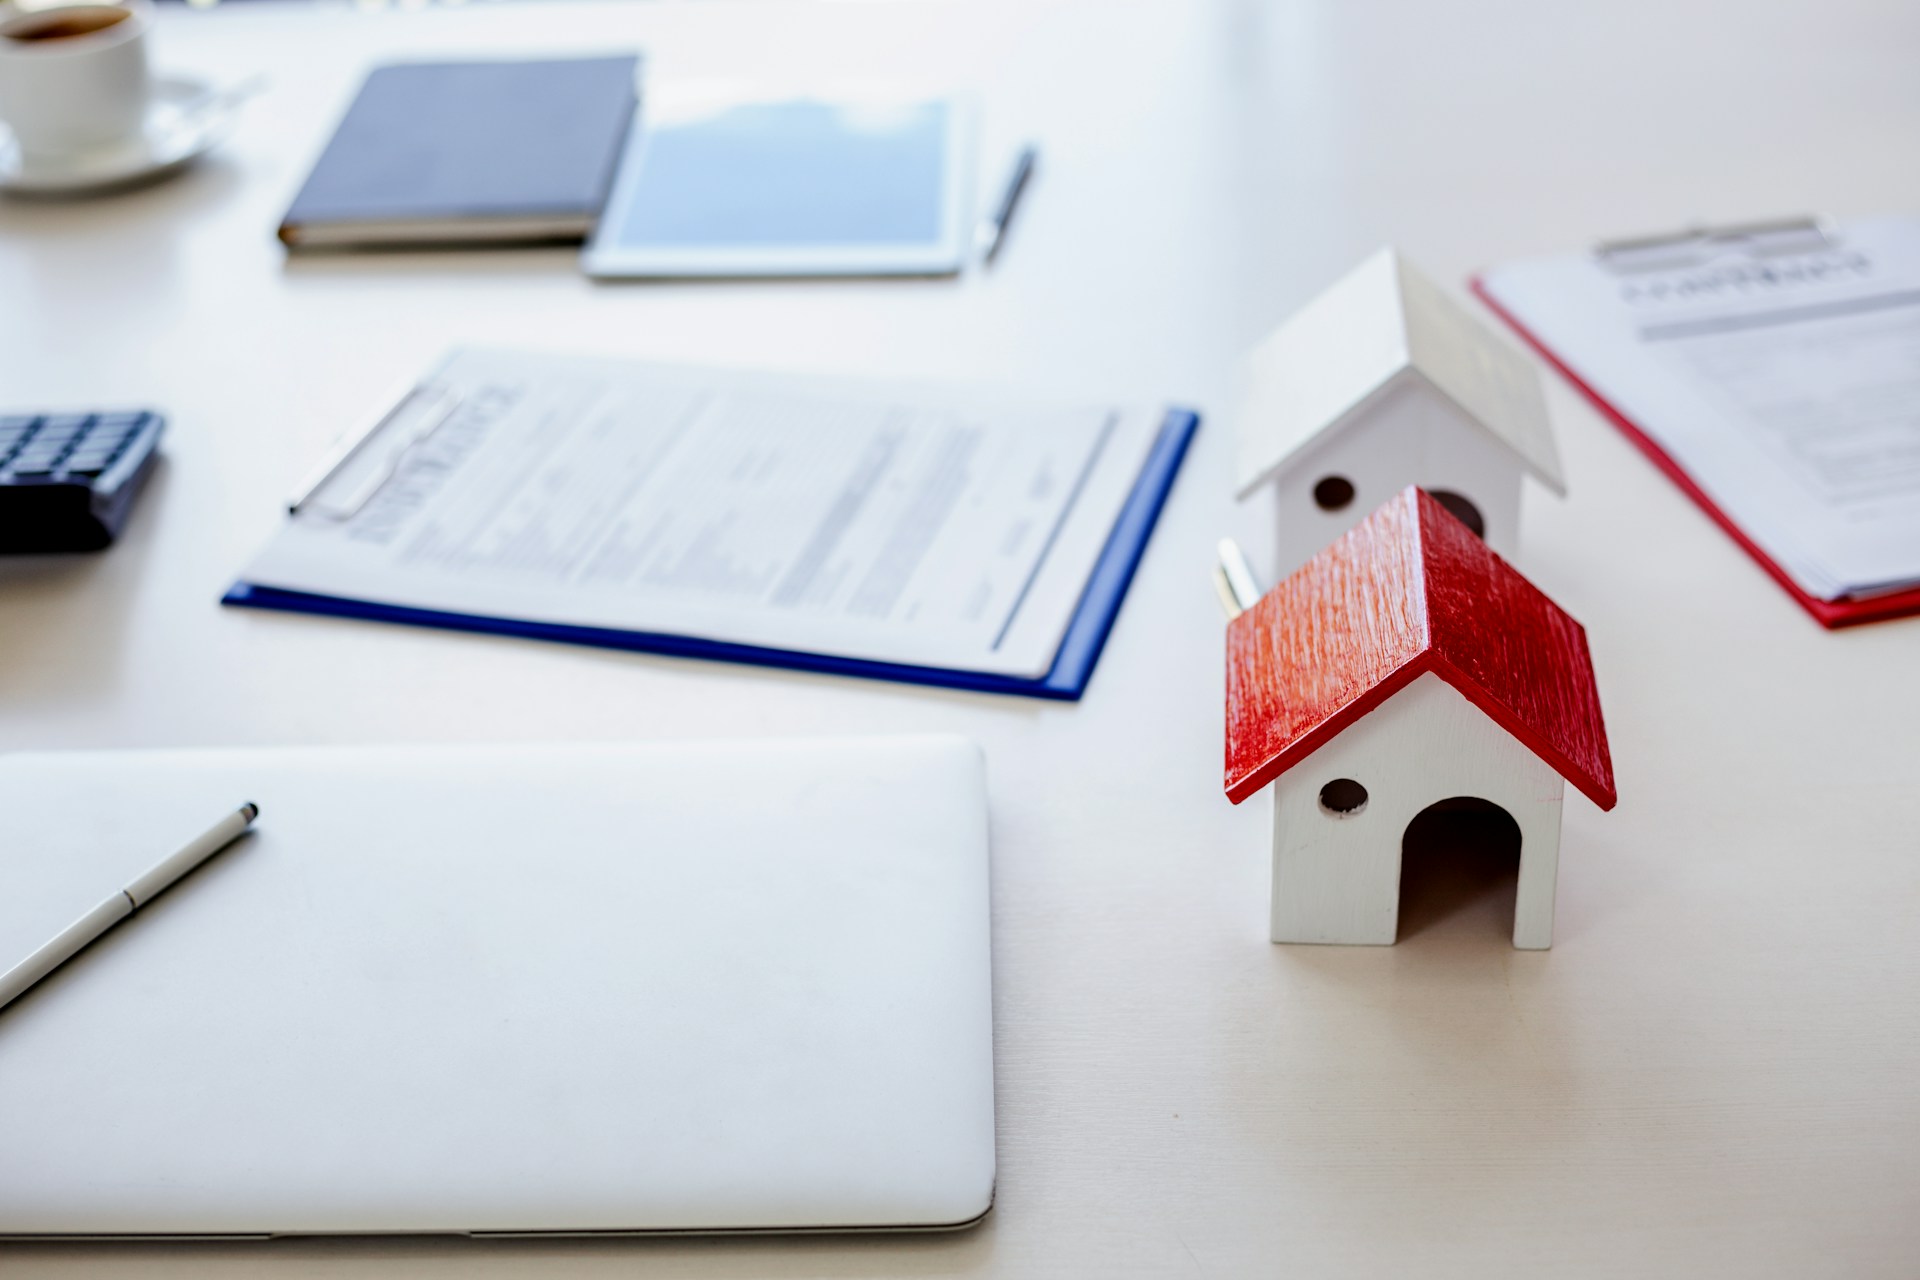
x: 1714, y: 1070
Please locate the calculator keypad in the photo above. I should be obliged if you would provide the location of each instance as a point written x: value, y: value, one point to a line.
x: 65, y: 446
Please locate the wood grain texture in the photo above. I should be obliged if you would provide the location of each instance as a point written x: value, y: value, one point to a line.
x: 1514, y: 653
x: 1325, y: 646
x: 1409, y: 589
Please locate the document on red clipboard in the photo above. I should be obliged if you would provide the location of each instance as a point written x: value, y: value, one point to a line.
x: 1773, y: 371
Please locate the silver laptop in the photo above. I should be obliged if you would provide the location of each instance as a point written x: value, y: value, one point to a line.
x: 503, y: 991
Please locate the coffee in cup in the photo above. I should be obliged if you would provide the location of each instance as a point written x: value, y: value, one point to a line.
x: 65, y: 23
x: 74, y: 77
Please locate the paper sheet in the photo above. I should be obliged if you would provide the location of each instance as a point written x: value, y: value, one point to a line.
x: 1787, y: 384
x: 893, y: 523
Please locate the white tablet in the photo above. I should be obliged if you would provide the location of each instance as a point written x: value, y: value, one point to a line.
x: 725, y: 187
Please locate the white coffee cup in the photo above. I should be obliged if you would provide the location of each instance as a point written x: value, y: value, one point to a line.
x: 74, y: 77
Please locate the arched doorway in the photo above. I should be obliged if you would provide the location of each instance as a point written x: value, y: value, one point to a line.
x: 1460, y: 856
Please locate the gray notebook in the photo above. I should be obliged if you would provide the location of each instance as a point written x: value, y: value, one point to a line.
x: 469, y: 152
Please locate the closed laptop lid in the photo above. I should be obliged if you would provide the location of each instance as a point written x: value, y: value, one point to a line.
x: 687, y: 987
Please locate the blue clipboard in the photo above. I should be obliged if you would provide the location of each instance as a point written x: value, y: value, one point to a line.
x: 1073, y: 665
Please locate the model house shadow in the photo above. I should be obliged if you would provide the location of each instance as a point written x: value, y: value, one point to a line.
x: 1421, y: 1047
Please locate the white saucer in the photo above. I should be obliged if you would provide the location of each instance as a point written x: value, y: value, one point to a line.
x: 185, y: 119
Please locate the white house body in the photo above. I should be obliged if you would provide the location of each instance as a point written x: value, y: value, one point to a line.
x: 1405, y: 433
x: 1383, y: 382
x: 1336, y: 875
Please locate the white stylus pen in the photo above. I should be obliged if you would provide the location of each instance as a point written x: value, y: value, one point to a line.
x: 123, y: 904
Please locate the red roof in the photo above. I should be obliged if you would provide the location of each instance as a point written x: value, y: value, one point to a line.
x: 1410, y: 589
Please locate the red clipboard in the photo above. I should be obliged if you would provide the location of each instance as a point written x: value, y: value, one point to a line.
x: 1828, y: 613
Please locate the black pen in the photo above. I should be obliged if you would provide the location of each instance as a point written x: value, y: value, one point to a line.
x: 994, y: 230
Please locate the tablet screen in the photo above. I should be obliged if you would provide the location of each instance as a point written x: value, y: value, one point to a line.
x: 785, y: 186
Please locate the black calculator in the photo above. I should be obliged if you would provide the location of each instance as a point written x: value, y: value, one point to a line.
x: 67, y: 480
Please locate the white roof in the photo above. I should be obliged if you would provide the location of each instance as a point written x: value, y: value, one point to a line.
x: 1315, y: 371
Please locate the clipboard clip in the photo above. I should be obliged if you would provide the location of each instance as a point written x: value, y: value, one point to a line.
x: 431, y: 405
x: 1805, y: 233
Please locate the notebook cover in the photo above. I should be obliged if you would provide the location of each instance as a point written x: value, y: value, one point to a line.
x: 464, y: 142
x: 1828, y: 613
x: 1073, y: 664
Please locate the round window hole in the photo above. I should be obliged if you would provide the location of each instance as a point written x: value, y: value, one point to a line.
x: 1462, y: 510
x: 1343, y: 797
x: 1333, y: 493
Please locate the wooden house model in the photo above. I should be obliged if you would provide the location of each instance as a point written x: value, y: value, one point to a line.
x: 1381, y: 382
x: 1406, y: 666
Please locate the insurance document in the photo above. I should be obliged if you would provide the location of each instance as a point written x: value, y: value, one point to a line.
x: 901, y: 523
x: 1780, y: 370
